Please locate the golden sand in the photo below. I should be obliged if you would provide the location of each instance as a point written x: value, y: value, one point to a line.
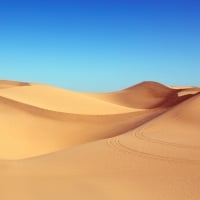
x: 140, y: 143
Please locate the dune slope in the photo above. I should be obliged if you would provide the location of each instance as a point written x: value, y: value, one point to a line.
x: 29, y: 131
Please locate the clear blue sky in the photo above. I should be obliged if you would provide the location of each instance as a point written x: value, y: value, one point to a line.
x: 100, y: 45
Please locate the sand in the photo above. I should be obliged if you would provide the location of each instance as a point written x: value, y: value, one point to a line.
x: 138, y: 143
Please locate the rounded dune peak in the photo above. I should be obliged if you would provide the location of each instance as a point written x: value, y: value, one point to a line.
x: 147, y: 94
x: 150, y: 89
x: 149, y: 84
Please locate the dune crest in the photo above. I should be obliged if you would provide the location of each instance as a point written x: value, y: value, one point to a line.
x: 8, y: 84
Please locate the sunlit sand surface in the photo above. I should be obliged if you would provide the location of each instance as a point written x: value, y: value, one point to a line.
x: 142, y: 142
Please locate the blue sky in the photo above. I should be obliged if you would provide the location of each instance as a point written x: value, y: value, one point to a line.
x: 100, y: 45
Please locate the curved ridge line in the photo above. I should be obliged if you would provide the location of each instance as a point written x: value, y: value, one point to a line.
x: 35, y: 109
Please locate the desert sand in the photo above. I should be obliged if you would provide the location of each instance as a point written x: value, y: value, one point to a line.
x: 142, y: 142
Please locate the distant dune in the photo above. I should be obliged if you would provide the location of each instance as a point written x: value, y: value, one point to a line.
x: 143, y: 95
x: 137, y: 143
x: 7, y: 84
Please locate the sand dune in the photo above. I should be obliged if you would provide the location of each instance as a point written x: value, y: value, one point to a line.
x: 8, y: 84
x: 172, y: 136
x: 114, y: 153
x: 144, y: 95
x: 36, y: 131
x: 55, y: 99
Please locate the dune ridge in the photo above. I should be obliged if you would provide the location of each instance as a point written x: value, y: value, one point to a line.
x: 61, y: 100
x: 141, y: 142
x: 8, y: 84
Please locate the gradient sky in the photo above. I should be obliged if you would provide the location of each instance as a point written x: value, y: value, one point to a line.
x: 100, y: 45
